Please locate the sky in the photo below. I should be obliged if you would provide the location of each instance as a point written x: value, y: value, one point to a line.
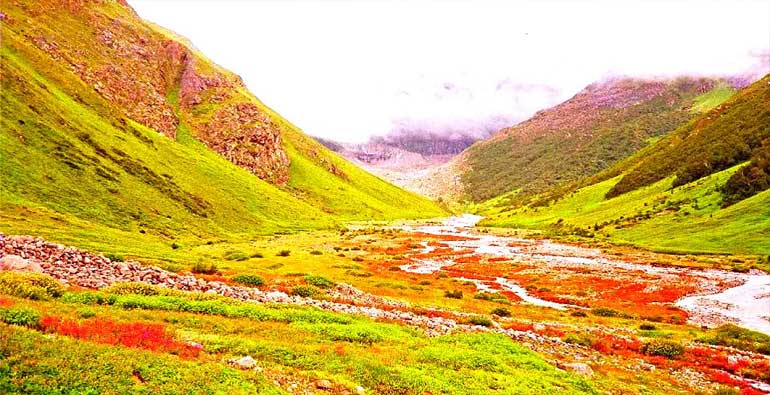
x: 347, y: 70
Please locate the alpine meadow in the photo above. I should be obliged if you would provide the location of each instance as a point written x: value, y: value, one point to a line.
x: 461, y: 197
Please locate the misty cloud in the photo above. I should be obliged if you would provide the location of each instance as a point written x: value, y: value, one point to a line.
x: 349, y: 70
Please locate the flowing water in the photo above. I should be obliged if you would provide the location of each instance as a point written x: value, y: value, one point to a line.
x: 746, y: 302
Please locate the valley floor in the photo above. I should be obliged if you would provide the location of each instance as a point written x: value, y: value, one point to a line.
x: 412, y: 308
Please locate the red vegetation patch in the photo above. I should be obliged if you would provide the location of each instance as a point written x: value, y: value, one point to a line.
x: 5, y: 302
x: 442, y: 237
x: 148, y: 336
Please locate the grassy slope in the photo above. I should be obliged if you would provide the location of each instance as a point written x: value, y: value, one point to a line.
x: 712, y: 98
x: 385, y: 358
x: 74, y: 170
x: 688, y: 218
x: 598, y: 127
x: 52, y: 164
x: 658, y: 210
x: 720, y: 138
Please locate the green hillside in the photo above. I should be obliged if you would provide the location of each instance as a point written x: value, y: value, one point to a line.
x: 601, y: 125
x: 729, y: 134
x: 702, y: 188
x: 75, y: 168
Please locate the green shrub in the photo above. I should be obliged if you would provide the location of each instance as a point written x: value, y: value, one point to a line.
x: 316, y: 252
x: 492, y: 297
x: 205, y: 268
x: 606, y: 312
x: 132, y: 288
x: 235, y: 255
x: 664, y: 348
x: 306, y: 291
x: 479, y: 320
x: 89, y: 297
x: 283, y: 253
x: 318, y: 281
x: 456, y: 294
x: 577, y: 339
x: 35, y: 286
x: 115, y: 257
x: 248, y: 279
x: 647, y: 327
x: 21, y: 317
x: 362, y: 333
x: 257, y: 255
x: 501, y: 312
x: 725, y: 390
x: 578, y: 313
x: 743, y: 339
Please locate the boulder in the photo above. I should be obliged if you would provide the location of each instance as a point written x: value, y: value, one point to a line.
x: 16, y: 263
x: 246, y: 362
x: 323, y: 384
x: 579, y: 368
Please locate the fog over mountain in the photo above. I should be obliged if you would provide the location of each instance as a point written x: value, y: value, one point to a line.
x: 447, y: 67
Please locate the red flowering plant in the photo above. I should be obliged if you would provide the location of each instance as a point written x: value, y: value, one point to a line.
x: 148, y: 336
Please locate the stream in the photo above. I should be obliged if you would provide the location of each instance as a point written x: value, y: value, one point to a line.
x: 745, y: 303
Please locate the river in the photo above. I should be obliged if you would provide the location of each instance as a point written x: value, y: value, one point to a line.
x: 746, y: 302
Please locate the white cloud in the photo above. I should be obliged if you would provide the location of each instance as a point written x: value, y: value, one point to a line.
x: 350, y: 69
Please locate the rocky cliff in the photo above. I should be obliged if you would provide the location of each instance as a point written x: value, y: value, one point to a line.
x: 155, y: 77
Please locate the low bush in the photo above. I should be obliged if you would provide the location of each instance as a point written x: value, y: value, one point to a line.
x: 578, y: 313
x: 21, y: 317
x: 492, y: 297
x: 318, y: 281
x: 115, y: 257
x: 647, y: 327
x: 132, y: 288
x: 204, y: 268
x: 235, y: 255
x: 577, y: 339
x: 283, y: 253
x: 305, y: 291
x: 362, y: 333
x: 607, y: 312
x: 663, y: 348
x: 316, y: 252
x: 501, y: 312
x: 35, y: 286
x: 188, y: 302
x: 456, y: 294
x: 479, y: 320
x: 740, y: 338
x: 248, y: 279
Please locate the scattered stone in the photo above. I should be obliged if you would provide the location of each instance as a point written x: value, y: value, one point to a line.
x: 323, y: 385
x: 246, y: 362
x: 579, y: 368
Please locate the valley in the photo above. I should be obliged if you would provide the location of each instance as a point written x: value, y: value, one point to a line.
x: 593, y: 311
x: 163, y: 230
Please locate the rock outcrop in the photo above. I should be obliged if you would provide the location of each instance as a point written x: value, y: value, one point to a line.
x: 156, y: 79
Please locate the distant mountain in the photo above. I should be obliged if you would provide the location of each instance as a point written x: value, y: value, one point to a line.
x: 113, y: 128
x: 604, y: 123
x: 410, y: 160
